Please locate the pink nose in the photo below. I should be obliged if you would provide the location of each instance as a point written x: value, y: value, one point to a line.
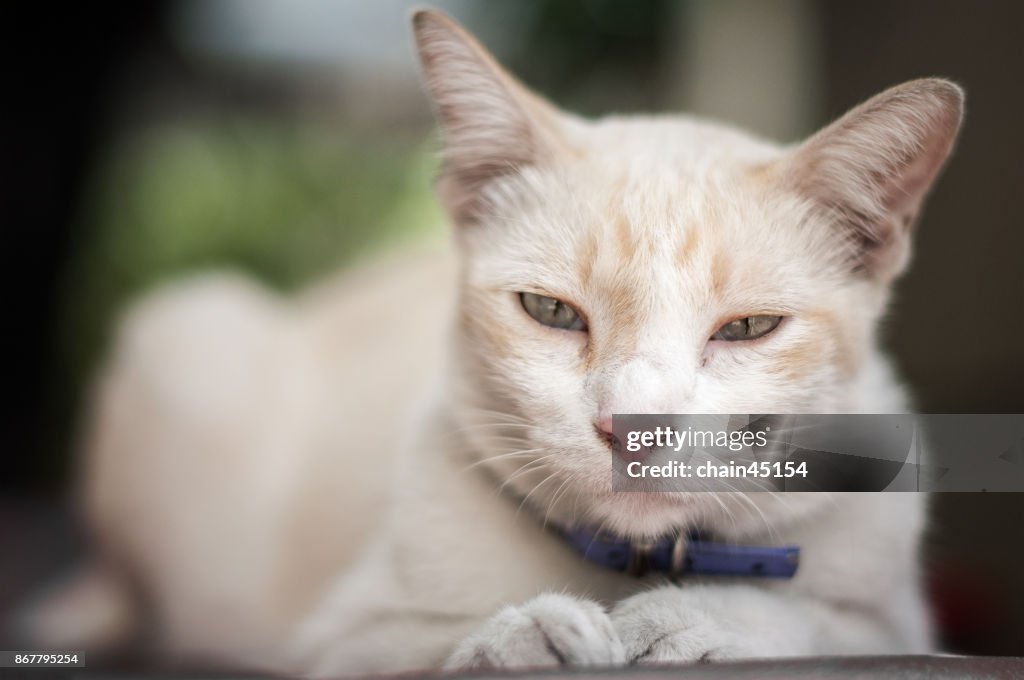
x: 603, y: 426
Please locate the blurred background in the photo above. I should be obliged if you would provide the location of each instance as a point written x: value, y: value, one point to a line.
x: 289, y: 139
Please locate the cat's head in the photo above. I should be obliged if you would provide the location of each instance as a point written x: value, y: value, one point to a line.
x: 663, y: 265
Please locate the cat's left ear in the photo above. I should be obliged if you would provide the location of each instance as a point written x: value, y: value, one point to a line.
x: 871, y: 169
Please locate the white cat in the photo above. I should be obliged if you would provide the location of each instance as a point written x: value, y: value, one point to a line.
x: 369, y: 471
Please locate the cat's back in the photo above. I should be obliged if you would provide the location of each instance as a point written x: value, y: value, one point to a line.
x: 397, y: 303
x: 231, y: 426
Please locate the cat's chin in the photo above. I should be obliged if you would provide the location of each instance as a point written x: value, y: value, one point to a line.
x: 639, y: 514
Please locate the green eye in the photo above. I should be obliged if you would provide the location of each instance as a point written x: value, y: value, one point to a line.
x: 747, y: 328
x: 551, y: 312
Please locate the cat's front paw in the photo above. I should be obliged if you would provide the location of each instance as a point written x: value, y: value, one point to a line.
x: 666, y: 626
x: 549, y: 630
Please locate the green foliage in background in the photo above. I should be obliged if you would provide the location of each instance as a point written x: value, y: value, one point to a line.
x: 285, y: 203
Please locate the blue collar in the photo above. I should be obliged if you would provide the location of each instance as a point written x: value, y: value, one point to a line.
x: 683, y: 554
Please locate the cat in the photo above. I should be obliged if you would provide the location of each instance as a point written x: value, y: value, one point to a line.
x: 375, y: 477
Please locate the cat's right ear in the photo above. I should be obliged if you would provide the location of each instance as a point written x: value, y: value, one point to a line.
x: 491, y: 124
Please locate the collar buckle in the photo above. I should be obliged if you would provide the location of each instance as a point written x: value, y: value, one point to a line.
x: 678, y: 563
x: 639, y: 557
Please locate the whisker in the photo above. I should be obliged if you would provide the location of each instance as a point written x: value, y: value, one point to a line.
x: 496, y: 426
x: 526, y: 467
x: 494, y: 414
x: 563, y: 489
x: 501, y: 456
x: 537, y: 486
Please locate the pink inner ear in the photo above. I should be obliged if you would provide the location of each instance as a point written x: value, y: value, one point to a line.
x: 875, y: 165
x: 491, y: 125
x: 904, y: 191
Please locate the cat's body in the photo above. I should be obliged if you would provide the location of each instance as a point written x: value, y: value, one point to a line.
x: 264, y: 471
x: 377, y: 463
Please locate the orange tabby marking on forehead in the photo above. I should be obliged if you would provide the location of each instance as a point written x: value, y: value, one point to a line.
x: 687, y: 246
x: 625, y: 303
x: 721, y: 271
x: 761, y: 175
x: 623, y: 236
x: 586, y: 258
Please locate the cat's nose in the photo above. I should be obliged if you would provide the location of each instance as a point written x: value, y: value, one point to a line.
x: 603, y: 425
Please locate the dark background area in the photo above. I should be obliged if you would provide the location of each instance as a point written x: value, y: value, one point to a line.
x: 75, y: 84
x: 60, y: 79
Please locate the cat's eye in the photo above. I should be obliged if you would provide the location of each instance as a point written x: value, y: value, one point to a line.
x: 747, y: 328
x: 552, y: 312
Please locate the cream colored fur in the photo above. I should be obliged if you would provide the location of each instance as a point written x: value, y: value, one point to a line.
x: 313, y: 485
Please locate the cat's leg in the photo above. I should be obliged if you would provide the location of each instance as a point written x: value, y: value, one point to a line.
x: 549, y: 630
x: 715, y: 622
x: 380, y: 618
x: 354, y: 635
x: 377, y: 639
